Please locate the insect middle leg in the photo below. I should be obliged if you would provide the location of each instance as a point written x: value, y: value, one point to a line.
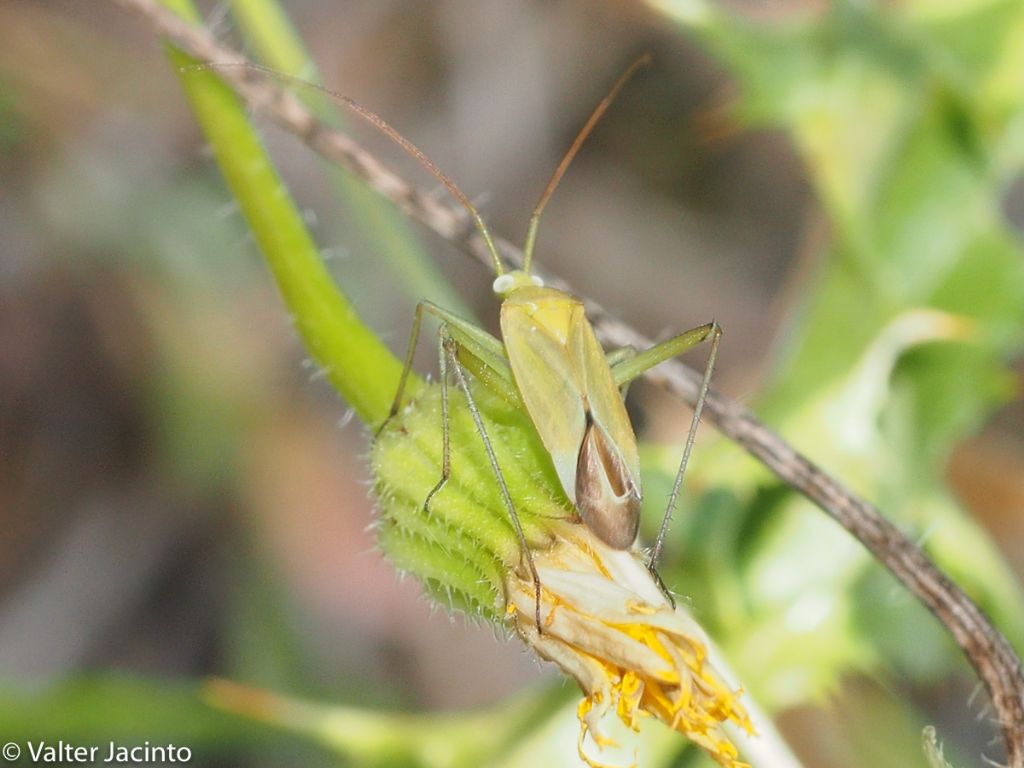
x: 448, y: 351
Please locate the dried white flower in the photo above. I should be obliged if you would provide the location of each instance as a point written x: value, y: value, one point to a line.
x: 606, y: 623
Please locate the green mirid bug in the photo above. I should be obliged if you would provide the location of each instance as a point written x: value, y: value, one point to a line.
x: 550, y: 362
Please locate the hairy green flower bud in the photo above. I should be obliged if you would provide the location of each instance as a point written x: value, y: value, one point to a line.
x: 462, y: 546
x: 603, y: 619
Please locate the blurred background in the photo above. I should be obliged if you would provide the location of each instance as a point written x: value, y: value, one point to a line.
x: 182, y: 495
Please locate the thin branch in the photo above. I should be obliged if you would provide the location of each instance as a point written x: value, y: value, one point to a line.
x: 984, y: 646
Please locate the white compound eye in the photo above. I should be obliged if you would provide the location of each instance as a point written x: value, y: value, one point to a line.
x: 503, y: 284
x: 537, y: 281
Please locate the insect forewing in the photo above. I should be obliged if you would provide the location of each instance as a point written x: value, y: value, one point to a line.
x: 571, y: 396
x: 535, y: 325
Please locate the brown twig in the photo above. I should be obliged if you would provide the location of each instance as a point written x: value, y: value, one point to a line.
x: 984, y: 646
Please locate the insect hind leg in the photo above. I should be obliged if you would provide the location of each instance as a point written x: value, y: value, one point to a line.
x: 449, y: 355
x: 715, y: 333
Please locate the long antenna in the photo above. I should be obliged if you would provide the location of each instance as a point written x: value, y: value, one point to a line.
x: 384, y: 127
x: 427, y: 163
x: 602, y: 107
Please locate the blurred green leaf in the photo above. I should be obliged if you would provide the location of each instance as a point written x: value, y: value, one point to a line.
x: 907, y: 118
x: 368, y: 738
x: 128, y: 710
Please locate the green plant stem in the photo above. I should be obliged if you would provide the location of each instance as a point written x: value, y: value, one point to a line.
x: 382, y: 230
x: 359, y: 366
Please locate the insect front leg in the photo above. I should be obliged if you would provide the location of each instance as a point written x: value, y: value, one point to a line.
x: 449, y: 350
x: 481, y: 345
x: 414, y: 336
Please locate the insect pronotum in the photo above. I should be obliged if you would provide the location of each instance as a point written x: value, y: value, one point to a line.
x: 550, y: 360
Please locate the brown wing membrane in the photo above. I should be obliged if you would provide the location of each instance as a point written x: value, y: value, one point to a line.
x: 607, y: 498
